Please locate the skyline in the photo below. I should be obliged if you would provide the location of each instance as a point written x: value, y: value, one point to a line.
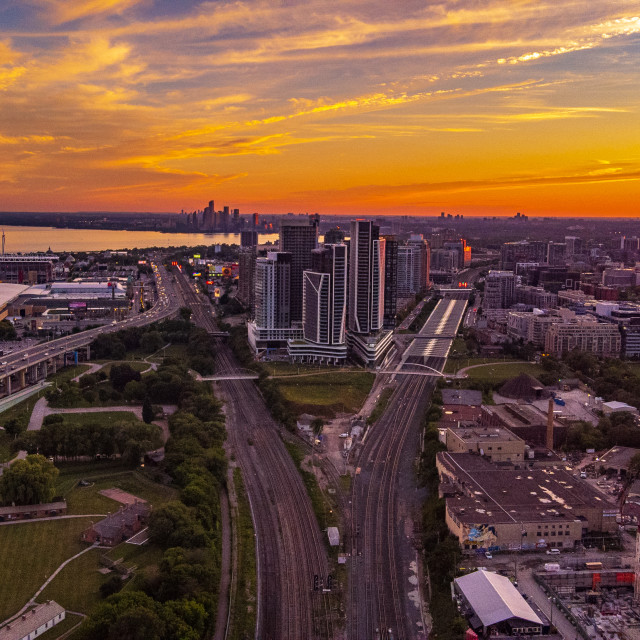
x: 345, y: 108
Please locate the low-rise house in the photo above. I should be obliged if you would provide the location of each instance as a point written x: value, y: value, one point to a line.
x: 34, y: 623
x: 29, y: 511
x: 119, y: 526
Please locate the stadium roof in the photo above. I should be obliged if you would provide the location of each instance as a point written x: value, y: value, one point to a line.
x: 494, y: 599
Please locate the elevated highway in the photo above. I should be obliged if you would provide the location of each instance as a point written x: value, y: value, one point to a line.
x: 32, y: 365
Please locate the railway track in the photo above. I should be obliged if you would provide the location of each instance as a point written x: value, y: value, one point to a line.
x: 378, y: 577
x: 289, y: 545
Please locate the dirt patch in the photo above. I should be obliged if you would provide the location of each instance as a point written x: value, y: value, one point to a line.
x: 120, y: 496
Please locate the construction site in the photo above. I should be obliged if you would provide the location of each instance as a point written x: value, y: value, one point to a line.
x: 601, y: 603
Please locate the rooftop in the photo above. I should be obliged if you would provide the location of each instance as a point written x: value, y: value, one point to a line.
x: 469, y: 397
x: 494, y: 599
x: 618, y: 457
x: 480, y: 434
x: 502, y: 494
x: 519, y: 415
x: 9, y: 292
x: 34, y: 619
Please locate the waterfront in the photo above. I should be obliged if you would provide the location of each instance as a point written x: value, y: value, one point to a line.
x: 31, y: 239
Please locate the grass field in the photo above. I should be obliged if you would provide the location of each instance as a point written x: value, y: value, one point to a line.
x: 62, y: 627
x: 244, y: 607
x: 381, y: 405
x: 454, y: 364
x: 68, y: 373
x: 77, y: 586
x: 88, y: 500
x: 100, y: 417
x: 289, y: 369
x: 327, y: 394
x: 500, y: 372
x: 30, y: 553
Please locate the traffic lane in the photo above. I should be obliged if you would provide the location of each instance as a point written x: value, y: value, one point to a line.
x: 533, y: 591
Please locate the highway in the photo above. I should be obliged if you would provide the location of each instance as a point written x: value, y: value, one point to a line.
x: 384, y: 603
x: 290, y: 545
x: 45, y: 351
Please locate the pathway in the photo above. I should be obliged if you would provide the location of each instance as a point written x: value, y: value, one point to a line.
x: 46, y: 583
x: 42, y: 409
x: 17, y: 397
x: 463, y: 372
x: 67, y: 517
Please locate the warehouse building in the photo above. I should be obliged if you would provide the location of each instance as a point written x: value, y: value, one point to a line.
x: 494, y: 606
x: 501, y: 507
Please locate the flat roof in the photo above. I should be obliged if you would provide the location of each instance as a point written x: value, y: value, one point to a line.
x: 34, y: 619
x: 9, y: 292
x: 494, y: 599
x: 516, y: 415
x: 502, y: 494
x: 485, y: 434
x: 469, y: 397
x: 618, y: 457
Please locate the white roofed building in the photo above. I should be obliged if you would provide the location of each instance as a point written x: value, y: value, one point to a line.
x: 493, y: 604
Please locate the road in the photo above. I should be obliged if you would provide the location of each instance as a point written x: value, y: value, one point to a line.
x: 45, y: 351
x: 290, y: 545
x: 385, y: 505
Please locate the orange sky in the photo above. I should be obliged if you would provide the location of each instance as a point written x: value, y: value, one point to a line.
x: 342, y: 106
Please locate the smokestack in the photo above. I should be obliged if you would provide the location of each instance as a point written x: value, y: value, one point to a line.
x: 550, y: 425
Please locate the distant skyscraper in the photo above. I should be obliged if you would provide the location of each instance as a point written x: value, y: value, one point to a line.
x: 334, y: 236
x: 255, y: 220
x: 299, y: 238
x: 246, y: 277
x: 249, y: 238
x: 413, y: 266
x: 499, y: 290
x: 574, y: 245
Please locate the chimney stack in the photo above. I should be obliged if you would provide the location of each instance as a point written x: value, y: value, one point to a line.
x: 550, y: 426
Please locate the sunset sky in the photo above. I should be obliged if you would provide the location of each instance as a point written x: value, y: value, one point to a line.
x: 482, y: 107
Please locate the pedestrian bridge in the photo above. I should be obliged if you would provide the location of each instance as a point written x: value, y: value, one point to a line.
x: 230, y: 376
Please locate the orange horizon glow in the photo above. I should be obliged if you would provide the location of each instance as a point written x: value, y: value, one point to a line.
x: 349, y: 107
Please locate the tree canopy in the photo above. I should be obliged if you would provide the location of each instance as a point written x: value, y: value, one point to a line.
x: 28, y: 481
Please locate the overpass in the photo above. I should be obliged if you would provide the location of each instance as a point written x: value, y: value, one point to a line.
x: 32, y: 365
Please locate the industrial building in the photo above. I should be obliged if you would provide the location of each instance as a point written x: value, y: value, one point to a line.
x: 509, y: 507
x: 493, y: 606
x: 496, y: 443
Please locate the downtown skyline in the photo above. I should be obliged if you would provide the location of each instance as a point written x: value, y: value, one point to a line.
x: 348, y: 108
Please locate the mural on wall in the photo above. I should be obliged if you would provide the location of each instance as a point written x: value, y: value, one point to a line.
x: 480, y: 535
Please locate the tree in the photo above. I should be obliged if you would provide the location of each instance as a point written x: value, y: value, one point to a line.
x: 14, y: 428
x: 151, y: 342
x: 29, y: 481
x: 185, y: 313
x: 147, y: 410
x: 120, y: 374
x: 7, y: 331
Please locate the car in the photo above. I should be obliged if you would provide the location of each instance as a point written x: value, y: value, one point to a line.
x: 344, y: 435
x: 488, y: 555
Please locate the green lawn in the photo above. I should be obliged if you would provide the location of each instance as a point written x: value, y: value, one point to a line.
x: 62, y: 627
x: 381, y: 405
x: 289, y: 369
x: 88, y: 499
x: 327, y: 394
x: 100, y: 417
x: 454, y: 364
x: 68, y: 373
x: 30, y: 553
x: 77, y: 586
x: 501, y: 372
x: 21, y: 411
